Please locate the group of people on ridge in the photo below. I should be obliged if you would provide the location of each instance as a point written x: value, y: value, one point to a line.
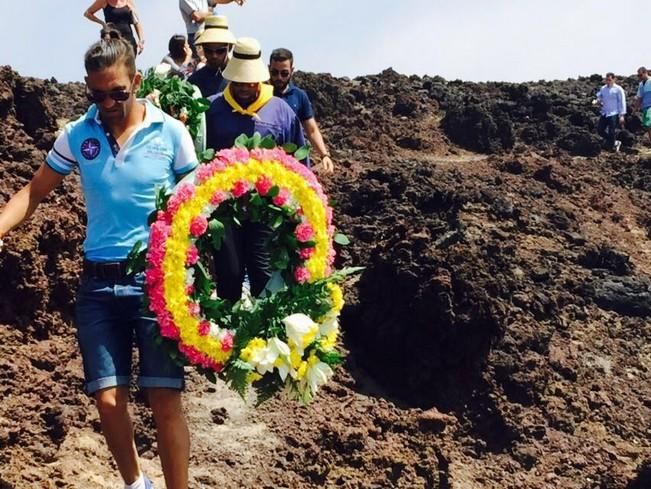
x: 612, y: 101
x: 124, y: 148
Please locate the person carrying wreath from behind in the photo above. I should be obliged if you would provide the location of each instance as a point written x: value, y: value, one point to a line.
x: 122, y: 15
x: 247, y: 106
x: 124, y: 149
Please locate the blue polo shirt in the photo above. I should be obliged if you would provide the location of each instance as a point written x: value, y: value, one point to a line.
x: 298, y: 100
x: 119, y: 184
x: 275, y: 118
x: 644, y: 93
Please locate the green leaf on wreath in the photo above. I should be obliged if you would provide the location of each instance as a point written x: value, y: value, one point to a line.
x: 216, y: 231
x: 273, y: 191
x: 202, y: 283
x: 280, y: 259
x: 208, y: 154
x: 302, y: 153
x: 162, y: 197
x: 256, y: 200
x: 330, y: 357
x: 278, y: 221
x: 137, y: 258
x: 242, y: 141
x: 341, y: 239
x: 267, y: 142
x: 290, y: 148
x: 210, y: 375
x: 255, y: 140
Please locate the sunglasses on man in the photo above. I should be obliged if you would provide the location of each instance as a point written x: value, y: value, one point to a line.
x: 281, y: 73
x: 98, y: 96
x: 219, y: 51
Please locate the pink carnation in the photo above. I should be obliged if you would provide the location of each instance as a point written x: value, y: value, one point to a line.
x: 218, y: 197
x: 192, y: 255
x: 204, y: 172
x: 301, y: 275
x: 198, y: 358
x: 306, y: 253
x: 282, y: 197
x: 240, y: 188
x: 198, y: 226
x: 304, y: 232
x: 227, y: 341
x: 263, y: 185
x: 258, y: 154
x: 194, y: 309
x: 189, y: 289
x: 204, y: 328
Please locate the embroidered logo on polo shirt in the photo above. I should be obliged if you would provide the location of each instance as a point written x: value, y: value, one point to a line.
x: 90, y: 148
x: 158, y: 149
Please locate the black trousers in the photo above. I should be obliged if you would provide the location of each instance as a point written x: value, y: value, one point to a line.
x: 607, y: 127
x: 244, y: 249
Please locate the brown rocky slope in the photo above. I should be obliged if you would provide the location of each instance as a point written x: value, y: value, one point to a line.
x: 498, y: 337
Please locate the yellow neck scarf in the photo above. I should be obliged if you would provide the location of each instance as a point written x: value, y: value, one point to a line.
x: 266, y: 92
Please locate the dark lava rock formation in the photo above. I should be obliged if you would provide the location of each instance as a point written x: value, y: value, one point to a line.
x: 498, y: 336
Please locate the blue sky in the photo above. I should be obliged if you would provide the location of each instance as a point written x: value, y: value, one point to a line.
x: 479, y: 40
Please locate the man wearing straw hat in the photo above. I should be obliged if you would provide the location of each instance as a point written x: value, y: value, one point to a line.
x: 195, y: 12
x: 247, y: 106
x: 216, y: 41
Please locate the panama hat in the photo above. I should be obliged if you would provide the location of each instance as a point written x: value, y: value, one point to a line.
x: 246, y: 65
x: 215, y: 30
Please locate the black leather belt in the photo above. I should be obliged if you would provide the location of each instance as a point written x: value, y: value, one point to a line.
x: 112, y: 270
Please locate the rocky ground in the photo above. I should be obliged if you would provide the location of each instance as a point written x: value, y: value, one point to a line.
x: 498, y: 337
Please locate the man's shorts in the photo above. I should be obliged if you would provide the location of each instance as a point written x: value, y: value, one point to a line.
x: 646, y: 117
x: 109, y: 316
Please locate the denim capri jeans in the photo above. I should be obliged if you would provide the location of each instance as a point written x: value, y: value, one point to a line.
x: 109, y: 317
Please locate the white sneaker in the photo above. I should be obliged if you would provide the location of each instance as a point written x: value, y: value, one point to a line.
x: 618, y: 144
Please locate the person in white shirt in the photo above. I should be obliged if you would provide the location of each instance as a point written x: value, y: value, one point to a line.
x: 194, y: 13
x: 612, y: 99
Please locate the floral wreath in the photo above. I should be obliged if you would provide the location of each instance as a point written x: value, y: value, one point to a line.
x: 284, y: 339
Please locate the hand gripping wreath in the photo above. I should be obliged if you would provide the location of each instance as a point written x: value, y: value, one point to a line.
x: 286, y: 337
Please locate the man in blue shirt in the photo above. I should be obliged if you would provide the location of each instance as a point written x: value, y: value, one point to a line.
x: 643, y: 99
x: 216, y: 41
x: 612, y: 99
x: 123, y: 149
x: 247, y: 106
x: 281, y: 69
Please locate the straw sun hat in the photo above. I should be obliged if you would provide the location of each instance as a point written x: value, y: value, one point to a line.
x: 246, y: 65
x: 215, y: 30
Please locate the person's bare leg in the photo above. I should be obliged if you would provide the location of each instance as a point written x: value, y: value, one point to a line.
x: 172, y: 435
x: 117, y: 428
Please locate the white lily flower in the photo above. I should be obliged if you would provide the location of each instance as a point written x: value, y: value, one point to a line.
x: 298, y: 326
x: 162, y: 69
x: 317, y: 375
x: 329, y: 325
x: 265, y: 358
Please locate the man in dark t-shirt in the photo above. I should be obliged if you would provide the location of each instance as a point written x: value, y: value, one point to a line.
x: 216, y: 41
x: 281, y: 69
